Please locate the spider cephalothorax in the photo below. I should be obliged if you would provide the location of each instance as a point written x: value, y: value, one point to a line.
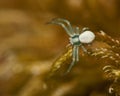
x: 77, y: 38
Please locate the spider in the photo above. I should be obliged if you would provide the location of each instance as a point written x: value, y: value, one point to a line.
x: 77, y: 38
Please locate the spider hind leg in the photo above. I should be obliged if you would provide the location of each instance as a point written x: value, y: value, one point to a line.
x: 75, y: 58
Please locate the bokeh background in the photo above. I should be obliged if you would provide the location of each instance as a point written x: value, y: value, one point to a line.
x: 29, y: 46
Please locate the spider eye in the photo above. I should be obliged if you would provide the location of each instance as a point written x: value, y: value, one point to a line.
x: 86, y: 37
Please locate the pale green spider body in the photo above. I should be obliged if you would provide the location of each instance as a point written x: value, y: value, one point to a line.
x: 77, y: 38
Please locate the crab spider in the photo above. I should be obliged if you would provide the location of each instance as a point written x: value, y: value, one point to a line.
x: 77, y: 38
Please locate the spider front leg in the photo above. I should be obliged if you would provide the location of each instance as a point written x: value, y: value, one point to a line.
x: 65, y: 21
x: 75, y: 57
x: 65, y: 24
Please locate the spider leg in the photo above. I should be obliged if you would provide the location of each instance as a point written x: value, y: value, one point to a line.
x: 84, y: 49
x: 73, y: 59
x: 68, y: 45
x: 67, y: 22
x: 68, y: 28
x: 77, y: 53
x: 76, y: 30
x: 85, y: 29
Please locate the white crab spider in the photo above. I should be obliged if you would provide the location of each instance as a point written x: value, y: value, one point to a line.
x: 77, y: 38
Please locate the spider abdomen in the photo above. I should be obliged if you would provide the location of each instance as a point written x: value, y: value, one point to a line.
x: 86, y: 37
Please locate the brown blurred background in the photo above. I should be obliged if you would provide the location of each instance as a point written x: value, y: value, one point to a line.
x: 28, y: 46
